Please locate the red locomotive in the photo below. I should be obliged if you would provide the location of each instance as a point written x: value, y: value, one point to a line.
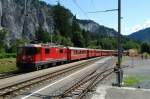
x: 38, y: 56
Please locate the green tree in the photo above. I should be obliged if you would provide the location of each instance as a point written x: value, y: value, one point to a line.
x: 94, y: 44
x: 145, y: 47
x: 78, y: 39
x: 42, y: 36
x: 3, y: 34
x: 15, y: 44
x: 62, y: 18
x: 58, y: 39
x: 66, y: 41
x: 131, y: 45
x: 107, y: 43
x: 87, y: 38
x: 75, y: 25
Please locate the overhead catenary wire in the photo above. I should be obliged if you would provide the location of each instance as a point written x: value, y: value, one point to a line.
x: 111, y: 10
x: 85, y: 14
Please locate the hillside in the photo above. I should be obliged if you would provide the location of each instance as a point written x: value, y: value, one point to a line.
x: 142, y: 35
x: 38, y: 22
x: 22, y: 20
x: 96, y: 29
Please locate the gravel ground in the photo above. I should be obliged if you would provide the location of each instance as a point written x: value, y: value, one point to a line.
x: 140, y: 69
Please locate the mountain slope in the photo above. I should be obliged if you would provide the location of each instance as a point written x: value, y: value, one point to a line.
x: 22, y: 20
x: 96, y: 29
x: 142, y: 35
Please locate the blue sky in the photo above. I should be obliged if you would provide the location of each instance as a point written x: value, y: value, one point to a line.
x: 135, y: 13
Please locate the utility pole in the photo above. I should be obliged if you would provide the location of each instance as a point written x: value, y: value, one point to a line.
x: 119, y: 72
x: 51, y: 36
x: 117, y: 69
x: 25, y: 15
x: 58, y: 1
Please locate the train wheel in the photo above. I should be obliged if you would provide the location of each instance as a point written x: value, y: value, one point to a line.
x: 54, y: 64
x: 65, y: 62
x: 62, y: 62
x: 38, y: 67
x: 45, y: 66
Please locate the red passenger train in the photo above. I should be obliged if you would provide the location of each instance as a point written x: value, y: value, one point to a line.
x: 38, y: 56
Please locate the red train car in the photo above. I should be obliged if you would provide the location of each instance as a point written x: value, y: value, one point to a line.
x: 34, y: 56
x: 75, y: 53
x: 91, y: 53
x: 98, y: 53
x: 38, y: 56
x: 106, y: 52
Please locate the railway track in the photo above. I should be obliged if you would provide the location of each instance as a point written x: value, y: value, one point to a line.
x: 79, y: 89
x: 11, y: 74
x: 18, y: 88
x: 3, y: 76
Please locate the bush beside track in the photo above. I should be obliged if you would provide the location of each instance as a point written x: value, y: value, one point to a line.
x: 7, y: 55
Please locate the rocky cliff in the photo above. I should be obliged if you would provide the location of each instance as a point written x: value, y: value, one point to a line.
x: 22, y: 17
x: 96, y: 29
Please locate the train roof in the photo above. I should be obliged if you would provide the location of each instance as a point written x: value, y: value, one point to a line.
x: 42, y: 45
x: 77, y: 48
x: 31, y: 45
x: 108, y: 50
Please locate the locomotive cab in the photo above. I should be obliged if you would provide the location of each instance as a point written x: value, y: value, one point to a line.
x: 26, y: 54
x: 26, y: 57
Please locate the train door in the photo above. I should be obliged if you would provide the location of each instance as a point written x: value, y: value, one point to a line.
x: 42, y: 54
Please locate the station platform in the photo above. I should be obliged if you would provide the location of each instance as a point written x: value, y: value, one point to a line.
x: 110, y: 92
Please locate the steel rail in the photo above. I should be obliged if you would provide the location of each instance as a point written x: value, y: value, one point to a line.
x: 82, y: 82
x: 95, y: 81
x: 13, y: 90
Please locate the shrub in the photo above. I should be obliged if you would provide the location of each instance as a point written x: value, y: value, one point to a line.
x: 7, y: 55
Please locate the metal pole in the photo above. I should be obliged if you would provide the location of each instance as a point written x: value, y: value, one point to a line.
x: 119, y: 70
x: 51, y: 37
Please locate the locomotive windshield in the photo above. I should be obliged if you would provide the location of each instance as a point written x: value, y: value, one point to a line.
x: 27, y: 50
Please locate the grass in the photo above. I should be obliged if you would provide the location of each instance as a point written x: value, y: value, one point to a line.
x: 131, y: 80
x: 7, y: 65
x: 7, y: 55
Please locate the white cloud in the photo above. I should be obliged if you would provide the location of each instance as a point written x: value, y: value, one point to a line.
x: 146, y: 24
x: 138, y: 27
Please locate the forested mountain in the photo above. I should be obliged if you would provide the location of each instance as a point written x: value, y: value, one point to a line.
x: 142, y: 35
x: 35, y: 21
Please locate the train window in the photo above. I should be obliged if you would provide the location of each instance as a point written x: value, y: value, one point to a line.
x: 75, y: 52
x: 30, y: 50
x: 38, y: 50
x: 47, y: 51
x: 61, y: 51
x: 79, y: 52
